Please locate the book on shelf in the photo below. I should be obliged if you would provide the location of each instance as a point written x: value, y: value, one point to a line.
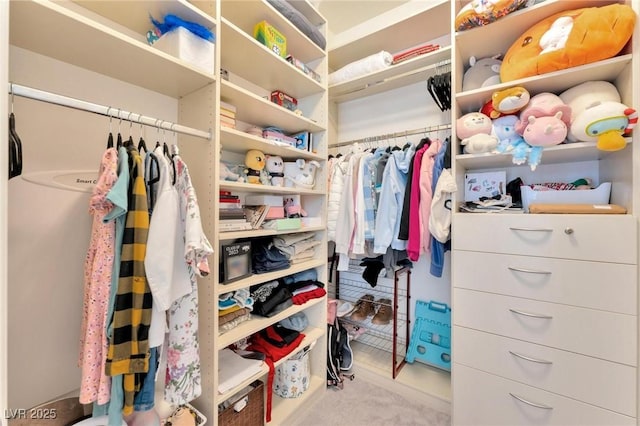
x: 229, y: 122
x: 235, y: 215
x: 226, y: 106
x: 256, y: 215
x: 230, y: 227
x: 229, y: 221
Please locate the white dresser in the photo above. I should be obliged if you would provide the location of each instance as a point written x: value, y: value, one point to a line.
x: 544, y: 320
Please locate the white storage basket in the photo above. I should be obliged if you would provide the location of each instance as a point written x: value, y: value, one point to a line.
x: 599, y: 195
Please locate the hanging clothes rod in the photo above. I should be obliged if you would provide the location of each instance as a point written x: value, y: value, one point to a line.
x: 108, y: 111
x: 422, y: 130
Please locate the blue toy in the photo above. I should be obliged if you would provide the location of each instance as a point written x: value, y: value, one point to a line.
x: 505, y: 130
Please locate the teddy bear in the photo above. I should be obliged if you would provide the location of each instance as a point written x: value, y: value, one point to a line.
x: 275, y: 170
x: 504, y: 128
x: 254, y: 160
x: 474, y: 130
x: 510, y: 101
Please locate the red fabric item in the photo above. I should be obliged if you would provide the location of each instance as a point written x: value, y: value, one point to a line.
x: 273, y: 354
x: 302, y: 298
x: 413, y: 52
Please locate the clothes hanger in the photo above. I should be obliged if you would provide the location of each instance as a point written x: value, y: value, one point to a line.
x: 119, y: 142
x: 174, y: 151
x: 153, y: 166
x: 142, y: 145
x: 15, y: 145
x: 130, y: 142
x: 110, y: 137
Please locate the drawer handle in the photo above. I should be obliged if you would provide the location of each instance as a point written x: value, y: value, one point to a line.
x: 533, y: 404
x: 528, y: 271
x: 532, y: 229
x: 529, y: 314
x: 538, y: 360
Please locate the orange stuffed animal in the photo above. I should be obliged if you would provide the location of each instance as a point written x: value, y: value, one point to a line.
x: 569, y: 39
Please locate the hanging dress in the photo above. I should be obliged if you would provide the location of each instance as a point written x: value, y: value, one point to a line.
x: 95, y: 385
x: 183, y: 381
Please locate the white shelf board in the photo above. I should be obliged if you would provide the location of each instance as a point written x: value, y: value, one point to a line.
x: 266, y: 189
x: 555, y: 82
x: 134, y: 14
x: 80, y: 41
x: 281, y: 74
x: 262, y: 112
x: 311, y: 335
x: 270, y: 276
x: 473, y: 42
x: 408, y: 25
x: 234, y: 235
x: 257, y: 323
x: 563, y: 153
x: 234, y: 140
x: 399, y: 75
x: 283, y: 408
x: 246, y: 14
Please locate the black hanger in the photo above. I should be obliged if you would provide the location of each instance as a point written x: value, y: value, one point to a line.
x: 142, y: 145
x: 110, y: 140
x: 119, y: 143
x: 15, y: 148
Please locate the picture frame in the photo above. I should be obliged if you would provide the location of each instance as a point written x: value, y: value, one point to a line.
x: 236, y: 262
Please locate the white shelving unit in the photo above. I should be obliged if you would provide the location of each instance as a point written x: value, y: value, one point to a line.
x: 248, y: 88
x: 526, y: 255
x: 403, y: 27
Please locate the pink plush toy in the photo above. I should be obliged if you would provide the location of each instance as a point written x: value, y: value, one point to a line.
x: 543, y: 122
x: 474, y: 131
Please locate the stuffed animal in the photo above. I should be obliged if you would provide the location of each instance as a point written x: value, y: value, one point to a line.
x: 504, y: 128
x: 511, y: 100
x: 481, y: 73
x: 597, y: 115
x: 306, y: 174
x: 543, y: 122
x: 254, y: 161
x: 569, y: 39
x: 275, y: 170
x: 227, y: 174
x: 482, y: 12
x: 474, y: 131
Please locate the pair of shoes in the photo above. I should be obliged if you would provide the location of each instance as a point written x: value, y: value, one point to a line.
x: 384, y: 314
x: 366, y: 307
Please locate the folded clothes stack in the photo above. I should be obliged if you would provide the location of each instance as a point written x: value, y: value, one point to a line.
x: 234, y: 308
x: 297, y: 247
x: 266, y: 257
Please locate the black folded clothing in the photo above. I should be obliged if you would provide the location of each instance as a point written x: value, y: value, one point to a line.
x: 279, y: 335
x: 268, y: 296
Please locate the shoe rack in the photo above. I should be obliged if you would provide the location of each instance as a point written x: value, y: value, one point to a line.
x: 383, y: 344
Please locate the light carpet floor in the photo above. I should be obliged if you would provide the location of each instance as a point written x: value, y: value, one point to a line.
x: 362, y: 403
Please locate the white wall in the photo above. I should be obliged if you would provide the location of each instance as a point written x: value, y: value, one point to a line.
x: 49, y: 229
x: 407, y: 108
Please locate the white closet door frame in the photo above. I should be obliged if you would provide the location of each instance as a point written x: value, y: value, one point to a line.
x: 4, y: 77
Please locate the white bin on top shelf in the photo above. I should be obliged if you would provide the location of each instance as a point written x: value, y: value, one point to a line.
x: 599, y: 195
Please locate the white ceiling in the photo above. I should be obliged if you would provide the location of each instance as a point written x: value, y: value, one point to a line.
x: 344, y: 14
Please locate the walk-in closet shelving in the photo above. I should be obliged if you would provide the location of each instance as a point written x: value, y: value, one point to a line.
x: 408, y: 25
x: 4, y: 112
x: 526, y: 256
x: 254, y: 71
x: 104, y: 44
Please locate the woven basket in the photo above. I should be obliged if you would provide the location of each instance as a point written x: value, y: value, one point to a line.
x: 251, y: 415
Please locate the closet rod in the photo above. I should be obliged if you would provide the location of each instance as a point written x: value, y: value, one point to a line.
x: 108, y: 111
x: 430, y: 129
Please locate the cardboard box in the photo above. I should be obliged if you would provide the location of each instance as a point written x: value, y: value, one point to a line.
x: 284, y: 100
x: 185, y: 45
x: 271, y: 37
x: 266, y: 200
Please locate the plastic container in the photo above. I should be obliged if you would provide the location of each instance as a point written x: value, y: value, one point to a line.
x: 185, y: 45
x: 599, y: 195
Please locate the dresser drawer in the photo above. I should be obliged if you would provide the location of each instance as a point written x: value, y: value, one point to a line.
x: 601, y: 238
x: 597, y: 285
x: 601, y: 334
x: 607, y: 385
x: 481, y: 398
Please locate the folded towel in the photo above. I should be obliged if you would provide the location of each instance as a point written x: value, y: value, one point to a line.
x: 364, y: 66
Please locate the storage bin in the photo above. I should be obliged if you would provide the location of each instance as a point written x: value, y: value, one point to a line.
x: 599, y: 195
x: 247, y: 410
x: 185, y: 45
x: 292, y: 376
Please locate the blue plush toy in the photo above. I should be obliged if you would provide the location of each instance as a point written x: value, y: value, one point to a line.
x: 505, y: 130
